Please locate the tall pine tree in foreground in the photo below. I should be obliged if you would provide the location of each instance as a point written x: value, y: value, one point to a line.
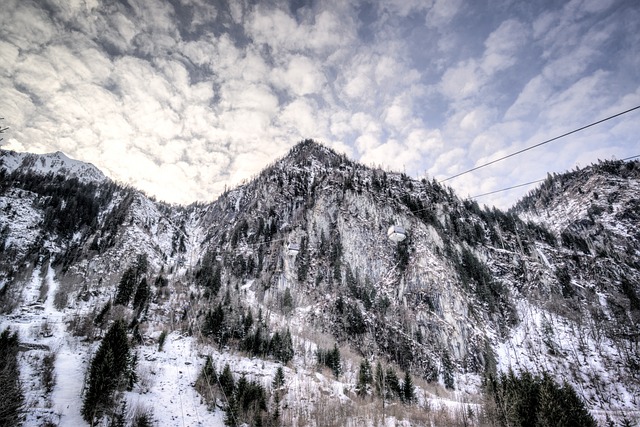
x: 11, y: 396
x: 109, y: 370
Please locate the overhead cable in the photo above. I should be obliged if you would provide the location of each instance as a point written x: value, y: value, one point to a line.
x: 508, y: 188
x: 533, y: 182
x: 541, y: 143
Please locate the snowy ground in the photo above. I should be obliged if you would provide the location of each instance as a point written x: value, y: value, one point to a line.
x: 166, y: 378
x: 169, y: 374
x: 542, y: 342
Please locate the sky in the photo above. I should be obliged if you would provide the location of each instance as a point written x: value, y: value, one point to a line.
x: 184, y: 98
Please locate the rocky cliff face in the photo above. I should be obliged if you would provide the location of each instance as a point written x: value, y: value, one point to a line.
x: 551, y: 285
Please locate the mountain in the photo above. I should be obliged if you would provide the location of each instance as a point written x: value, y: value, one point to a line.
x: 294, y: 269
x: 56, y: 163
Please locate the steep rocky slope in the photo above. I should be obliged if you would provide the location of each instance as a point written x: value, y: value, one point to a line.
x: 550, y: 286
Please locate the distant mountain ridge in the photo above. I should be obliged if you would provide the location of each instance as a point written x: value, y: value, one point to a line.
x: 551, y: 286
x: 56, y: 163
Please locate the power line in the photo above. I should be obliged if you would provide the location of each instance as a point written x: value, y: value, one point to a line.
x: 534, y: 182
x: 541, y: 143
x: 508, y: 188
x: 629, y: 158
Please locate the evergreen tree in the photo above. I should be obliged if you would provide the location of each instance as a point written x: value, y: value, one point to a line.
x: 331, y: 359
x: 141, y: 297
x: 207, y: 382
x: 393, y: 389
x: 286, y: 348
x: 626, y: 422
x: 287, y: 301
x: 231, y: 416
x: 379, y: 380
x: 214, y: 325
x: 278, y: 379
x: 447, y: 371
x: 120, y: 419
x: 227, y: 382
x: 334, y: 362
x: 561, y: 406
x: 126, y: 286
x: 302, y: 260
x: 408, y: 390
x: 108, y: 370
x: 12, y: 397
x: 100, y: 318
x: 365, y: 378
x: 247, y: 322
x: 143, y: 420
x: 208, y: 275
x: 536, y: 401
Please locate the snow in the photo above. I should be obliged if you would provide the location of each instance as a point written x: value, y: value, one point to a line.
x: 70, y: 368
x: 168, y: 381
x: 582, y: 359
x: 592, y: 363
x: 544, y: 258
x: 57, y: 163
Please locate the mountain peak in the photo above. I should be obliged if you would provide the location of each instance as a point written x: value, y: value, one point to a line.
x: 57, y: 163
x: 308, y: 151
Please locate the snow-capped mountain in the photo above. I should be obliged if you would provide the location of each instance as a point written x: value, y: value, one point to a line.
x: 56, y: 163
x: 550, y: 287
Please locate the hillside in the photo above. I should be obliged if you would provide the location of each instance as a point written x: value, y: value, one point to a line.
x: 297, y: 263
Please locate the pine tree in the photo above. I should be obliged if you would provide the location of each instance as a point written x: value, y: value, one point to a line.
x: 537, y: 401
x: 143, y: 420
x: 207, y: 382
x: 286, y: 349
x: 12, y: 397
x: 302, y: 260
x: 141, y: 297
x: 447, y: 371
x: 100, y: 387
x: 408, y: 390
x: 626, y: 422
x: 393, y: 389
x: 227, y: 382
x: 109, y: 368
x: 209, y: 372
x: 231, y: 416
x: 365, y: 378
x: 334, y: 361
x: 214, y: 325
x: 126, y: 286
x: 287, y: 301
x: 379, y: 380
x: 278, y: 379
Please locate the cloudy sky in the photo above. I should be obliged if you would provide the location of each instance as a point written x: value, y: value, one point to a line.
x: 181, y: 98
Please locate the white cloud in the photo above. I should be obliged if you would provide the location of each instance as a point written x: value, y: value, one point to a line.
x: 302, y: 76
x: 405, y: 8
x: 531, y: 99
x: 25, y: 25
x: 462, y: 81
x: 366, y: 143
x: 442, y: 12
x: 503, y: 44
x: 303, y: 119
x: 406, y: 87
x: 425, y: 140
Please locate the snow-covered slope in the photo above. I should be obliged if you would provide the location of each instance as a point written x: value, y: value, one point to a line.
x: 549, y: 287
